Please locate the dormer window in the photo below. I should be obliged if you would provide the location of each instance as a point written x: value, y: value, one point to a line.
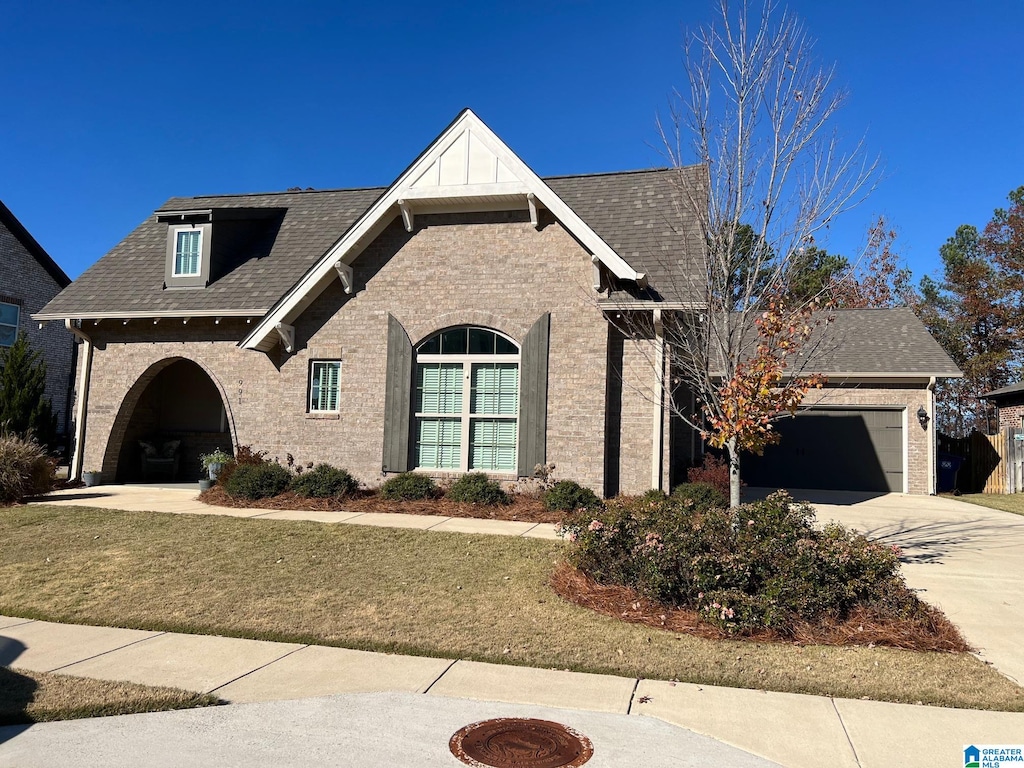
x: 188, y: 249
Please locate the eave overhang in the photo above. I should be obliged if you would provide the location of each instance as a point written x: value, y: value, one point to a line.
x: 467, y: 168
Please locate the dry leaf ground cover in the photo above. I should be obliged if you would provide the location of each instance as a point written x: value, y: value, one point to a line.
x: 36, y: 697
x: 484, y: 598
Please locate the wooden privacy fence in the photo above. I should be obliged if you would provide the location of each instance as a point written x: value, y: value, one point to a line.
x: 1008, y: 475
x: 992, y: 463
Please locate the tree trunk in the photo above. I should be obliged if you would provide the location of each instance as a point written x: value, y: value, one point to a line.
x: 734, y: 473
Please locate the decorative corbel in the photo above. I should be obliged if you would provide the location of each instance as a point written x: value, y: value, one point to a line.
x: 595, y: 271
x: 287, y: 334
x: 531, y: 200
x: 345, y: 274
x: 407, y: 216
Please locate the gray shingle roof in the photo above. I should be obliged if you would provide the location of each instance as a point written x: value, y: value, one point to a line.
x: 1005, y: 392
x: 636, y: 213
x: 880, y: 341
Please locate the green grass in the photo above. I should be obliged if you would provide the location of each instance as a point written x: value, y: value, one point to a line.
x: 449, y: 595
x: 1013, y: 502
x: 36, y: 697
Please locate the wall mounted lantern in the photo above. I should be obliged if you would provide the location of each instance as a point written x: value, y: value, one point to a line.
x: 922, y: 416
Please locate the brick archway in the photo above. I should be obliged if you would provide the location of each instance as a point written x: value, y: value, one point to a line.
x: 120, y: 457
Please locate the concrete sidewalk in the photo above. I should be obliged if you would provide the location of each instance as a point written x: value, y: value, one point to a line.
x: 788, y: 729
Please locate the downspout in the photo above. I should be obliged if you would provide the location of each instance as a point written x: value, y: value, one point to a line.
x: 934, y: 446
x: 657, y: 427
x: 82, y: 400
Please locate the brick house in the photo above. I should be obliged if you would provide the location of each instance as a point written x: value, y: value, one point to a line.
x: 1010, y: 402
x: 29, y: 279
x: 463, y: 318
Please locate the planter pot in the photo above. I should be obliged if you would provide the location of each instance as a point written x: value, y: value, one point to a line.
x: 214, y: 470
x: 92, y: 478
x: 205, y: 485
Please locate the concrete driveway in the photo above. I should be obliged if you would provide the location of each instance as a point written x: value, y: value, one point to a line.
x: 965, y: 559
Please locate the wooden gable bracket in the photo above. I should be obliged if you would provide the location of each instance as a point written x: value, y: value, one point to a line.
x: 595, y: 271
x: 531, y: 200
x: 407, y: 217
x: 345, y: 275
x: 287, y: 334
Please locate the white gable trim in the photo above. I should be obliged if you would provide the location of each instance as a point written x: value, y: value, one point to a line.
x: 466, y: 165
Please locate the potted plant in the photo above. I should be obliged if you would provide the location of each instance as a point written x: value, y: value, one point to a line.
x: 212, y: 462
x: 205, y: 484
x: 92, y: 477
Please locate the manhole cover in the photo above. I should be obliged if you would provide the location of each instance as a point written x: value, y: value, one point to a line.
x: 515, y: 742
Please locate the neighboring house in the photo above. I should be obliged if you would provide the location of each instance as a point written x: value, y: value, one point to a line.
x: 464, y: 318
x: 1010, y: 402
x: 29, y: 279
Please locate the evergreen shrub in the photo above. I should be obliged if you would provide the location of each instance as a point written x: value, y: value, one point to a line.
x: 324, y: 481
x: 475, y: 488
x: 568, y: 495
x: 408, y: 486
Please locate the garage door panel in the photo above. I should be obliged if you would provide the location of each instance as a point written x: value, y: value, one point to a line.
x: 858, y: 450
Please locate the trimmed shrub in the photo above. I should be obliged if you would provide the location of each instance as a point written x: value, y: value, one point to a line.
x: 25, y: 469
x: 759, y: 565
x: 475, y: 488
x: 700, y: 496
x: 257, y: 481
x: 567, y: 495
x: 714, y: 471
x: 324, y: 481
x: 408, y: 486
x: 244, y: 454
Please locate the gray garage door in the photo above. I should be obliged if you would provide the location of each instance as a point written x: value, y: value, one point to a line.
x: 849, y: 450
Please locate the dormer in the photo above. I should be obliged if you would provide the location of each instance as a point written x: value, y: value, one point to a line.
x: 205, y: 244
x: 189, y: 236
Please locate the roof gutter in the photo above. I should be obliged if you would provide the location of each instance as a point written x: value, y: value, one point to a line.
x: 82, y: 400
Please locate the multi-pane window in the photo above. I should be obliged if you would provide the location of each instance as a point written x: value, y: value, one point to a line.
x: 188, y: 246
x: 9, y: 316
x: 323, y: 385
x: 478, y: 432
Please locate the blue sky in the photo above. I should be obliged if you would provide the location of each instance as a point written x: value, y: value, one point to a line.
x: 110, y: 108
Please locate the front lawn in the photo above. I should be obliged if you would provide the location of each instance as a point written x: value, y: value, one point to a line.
x: 1010, y: 502
x: 36, y: 697
x: 484, y: 598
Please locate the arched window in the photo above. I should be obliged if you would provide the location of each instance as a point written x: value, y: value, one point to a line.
x: 466, y: 401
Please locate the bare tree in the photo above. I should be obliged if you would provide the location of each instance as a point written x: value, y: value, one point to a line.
x: 759, y: 117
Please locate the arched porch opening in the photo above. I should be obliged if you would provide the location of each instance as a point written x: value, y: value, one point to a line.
x: 172, y: 415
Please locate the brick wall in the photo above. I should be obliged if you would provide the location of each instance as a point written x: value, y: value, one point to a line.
x: 494, y: 269
x: 24, y: 281
x: 1010, y: 416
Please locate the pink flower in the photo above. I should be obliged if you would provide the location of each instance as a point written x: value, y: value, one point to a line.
x: 572, y: 536
x: 595, y: 525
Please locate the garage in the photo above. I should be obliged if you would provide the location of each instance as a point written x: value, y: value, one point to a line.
x: 858, y: 449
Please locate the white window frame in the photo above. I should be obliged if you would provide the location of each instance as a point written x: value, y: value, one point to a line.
x: 17, y: 322
x: 465, y: 416
x: 313, y: 403
x: 174, y: 254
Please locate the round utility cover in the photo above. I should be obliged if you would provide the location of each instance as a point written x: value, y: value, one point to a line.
x: 515, y: 742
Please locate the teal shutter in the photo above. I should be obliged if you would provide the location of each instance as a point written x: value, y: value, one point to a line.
x: 533, y: 396
x: 396, y: 399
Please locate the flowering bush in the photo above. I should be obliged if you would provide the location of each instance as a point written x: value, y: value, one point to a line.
x: 763, y: 564
x: 703, y: 495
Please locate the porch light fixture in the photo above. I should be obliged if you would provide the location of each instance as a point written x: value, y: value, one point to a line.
x: 922, y: 416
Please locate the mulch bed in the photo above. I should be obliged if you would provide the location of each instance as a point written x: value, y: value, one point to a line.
x: 933, y: 632
x: 525, y: 509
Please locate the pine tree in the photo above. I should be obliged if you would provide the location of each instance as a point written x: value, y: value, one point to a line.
x: 24, y: 408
